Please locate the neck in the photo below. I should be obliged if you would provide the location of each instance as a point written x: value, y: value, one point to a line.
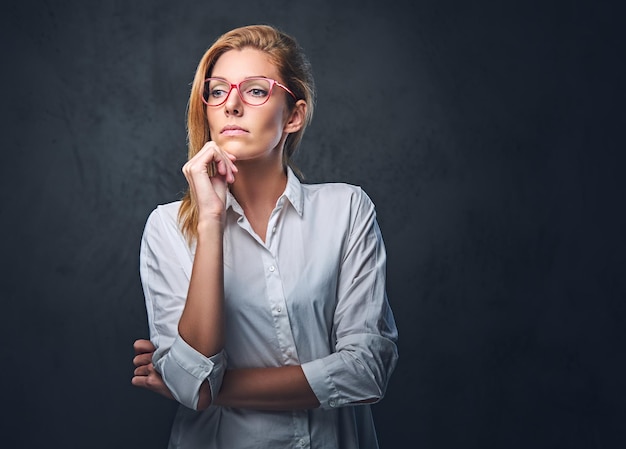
x: 258, y: 185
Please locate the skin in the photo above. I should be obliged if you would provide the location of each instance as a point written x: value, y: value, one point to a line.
x: 249, y: 161
x: 259, y: 151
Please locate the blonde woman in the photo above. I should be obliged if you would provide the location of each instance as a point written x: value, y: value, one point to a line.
x: 269, y: 320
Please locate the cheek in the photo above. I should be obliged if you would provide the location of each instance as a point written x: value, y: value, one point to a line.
x: 275, y: 121
x: 212, y: 132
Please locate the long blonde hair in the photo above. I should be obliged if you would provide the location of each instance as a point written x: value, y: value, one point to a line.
x: 296, y: 73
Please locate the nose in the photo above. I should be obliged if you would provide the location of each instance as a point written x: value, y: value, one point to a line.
x: 233, y: 104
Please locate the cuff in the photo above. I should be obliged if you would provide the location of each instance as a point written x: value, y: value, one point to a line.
x: 184, y: 369
x: 319, y: 379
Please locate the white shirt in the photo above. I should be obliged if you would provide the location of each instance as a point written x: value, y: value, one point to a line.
x: 312, y: 295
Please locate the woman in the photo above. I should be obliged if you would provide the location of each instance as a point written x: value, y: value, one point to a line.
x: 269, y: 321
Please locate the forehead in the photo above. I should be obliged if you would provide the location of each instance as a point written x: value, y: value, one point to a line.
x: 235, y: 65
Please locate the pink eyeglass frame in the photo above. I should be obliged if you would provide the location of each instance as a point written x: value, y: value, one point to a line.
x: 232, y: 86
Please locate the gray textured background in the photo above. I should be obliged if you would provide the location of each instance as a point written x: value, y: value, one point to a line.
x: 489, y: 134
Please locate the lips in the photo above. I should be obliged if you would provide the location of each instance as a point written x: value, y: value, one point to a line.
x: 233, y: 130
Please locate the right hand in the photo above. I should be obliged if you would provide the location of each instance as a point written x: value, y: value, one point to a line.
x: 209, y: 192
x: 145, y: 376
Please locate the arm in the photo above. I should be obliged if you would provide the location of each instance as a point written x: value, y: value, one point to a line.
x: 201, y: 323
x: 365, y: 352
x: 283, y: 388
x: 185, y: 309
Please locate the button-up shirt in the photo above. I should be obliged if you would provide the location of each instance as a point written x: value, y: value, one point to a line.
x: 312, y: 293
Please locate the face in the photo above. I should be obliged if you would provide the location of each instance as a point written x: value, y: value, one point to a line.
x: 250, y: 132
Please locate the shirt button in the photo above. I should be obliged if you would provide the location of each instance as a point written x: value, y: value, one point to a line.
x: 272, y: 268
x: 279, y: 309
x: 274, y: 229
x: 332, y: 403
x: 301, y: 443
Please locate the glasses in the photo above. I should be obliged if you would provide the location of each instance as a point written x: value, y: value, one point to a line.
x: 252, y: 91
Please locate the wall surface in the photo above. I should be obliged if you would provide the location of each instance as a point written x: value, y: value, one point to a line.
x: 489, y: 135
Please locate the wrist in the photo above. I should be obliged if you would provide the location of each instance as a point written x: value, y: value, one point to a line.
x: 211, y: 226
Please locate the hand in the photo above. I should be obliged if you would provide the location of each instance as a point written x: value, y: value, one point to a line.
x: 208, y: 173
x: 145, y: 375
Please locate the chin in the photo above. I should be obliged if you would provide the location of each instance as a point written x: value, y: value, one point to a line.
x: 232, y: 146
x: 241, y: 151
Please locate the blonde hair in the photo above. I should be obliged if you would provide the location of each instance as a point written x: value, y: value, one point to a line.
x: 296, y: 73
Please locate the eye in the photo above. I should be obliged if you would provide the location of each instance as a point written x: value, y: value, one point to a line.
x: 257, y: 92
x: 217, y: 89
x: 217, y: 92
x: 256, y: 88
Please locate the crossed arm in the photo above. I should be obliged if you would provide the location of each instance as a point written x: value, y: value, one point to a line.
x: 201, y: 322
x: 360, y: 367
x: 283, y: 388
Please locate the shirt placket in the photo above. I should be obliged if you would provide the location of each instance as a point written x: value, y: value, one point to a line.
x: 278, y: 304
x: 278, y: 308
x: 275, y: 292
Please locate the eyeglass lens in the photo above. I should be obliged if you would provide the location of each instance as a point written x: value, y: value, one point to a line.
x: 254, y: 91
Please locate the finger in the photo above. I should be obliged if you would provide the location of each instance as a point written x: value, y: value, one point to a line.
x: 227, y: 168
x: 224, y: 169
x: 202, y: 165
x: 153, y: 383
x: 142, y: 346
x: 143, y: 370
x: 140, y: 381
x: 142, y: 359
x: 211, y: 152
x: 208, y: 174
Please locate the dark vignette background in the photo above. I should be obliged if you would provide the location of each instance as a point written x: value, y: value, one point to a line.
x: 489, y: 134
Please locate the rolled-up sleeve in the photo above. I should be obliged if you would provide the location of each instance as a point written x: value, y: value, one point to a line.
x: 184, y: 369
x: 165, y: 269
x: 365, y: 352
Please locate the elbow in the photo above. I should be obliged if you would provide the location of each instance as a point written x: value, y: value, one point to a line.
x: 373, y: 369
x: 204, y: 397
x: 202, y: 405
x: 190, y: 376
x: 370, y: 389
x: 373, y: 390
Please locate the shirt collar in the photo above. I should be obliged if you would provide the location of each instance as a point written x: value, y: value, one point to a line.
x: 293, y: 193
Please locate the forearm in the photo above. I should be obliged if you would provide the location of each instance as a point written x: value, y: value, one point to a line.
x: 282, y: 388
x: 201, y: 323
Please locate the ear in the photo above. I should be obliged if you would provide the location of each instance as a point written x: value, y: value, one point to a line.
x: 296, y: 118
